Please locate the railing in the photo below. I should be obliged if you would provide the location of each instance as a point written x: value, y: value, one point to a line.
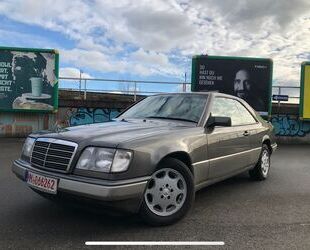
x: 128, y: 86
x: 292, y: 91
x: 134, y: 87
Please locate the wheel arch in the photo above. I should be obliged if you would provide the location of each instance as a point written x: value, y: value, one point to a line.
x: 181, y: 156
x: 266, y: 140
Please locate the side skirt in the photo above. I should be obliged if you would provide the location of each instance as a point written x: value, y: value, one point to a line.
x: 212, y: 181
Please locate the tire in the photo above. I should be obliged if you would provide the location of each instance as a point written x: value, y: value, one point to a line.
x: 169, y: 194
x: 261, y: 170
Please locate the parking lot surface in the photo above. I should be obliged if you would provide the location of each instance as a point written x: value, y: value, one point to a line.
x: 272, y: 214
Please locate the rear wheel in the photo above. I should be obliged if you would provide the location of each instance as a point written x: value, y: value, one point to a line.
x: 169, y: 193
x: 261, y: 170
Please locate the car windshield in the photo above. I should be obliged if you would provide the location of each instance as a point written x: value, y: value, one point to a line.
x: 175, y: 107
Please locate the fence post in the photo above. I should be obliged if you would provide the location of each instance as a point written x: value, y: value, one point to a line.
x: 184, y: 87
x: 85, y: 89
x: 279, y: 104
x: 135, y: 93
x: 80, y: 85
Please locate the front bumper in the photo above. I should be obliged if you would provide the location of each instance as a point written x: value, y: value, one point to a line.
x: 101, y: 190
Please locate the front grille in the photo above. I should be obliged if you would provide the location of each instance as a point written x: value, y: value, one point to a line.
x: 52, y: 154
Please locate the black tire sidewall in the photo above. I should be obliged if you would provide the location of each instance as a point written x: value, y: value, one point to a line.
x: 156, y: 220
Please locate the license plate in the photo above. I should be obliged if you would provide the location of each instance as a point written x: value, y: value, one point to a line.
x: 43, y: 183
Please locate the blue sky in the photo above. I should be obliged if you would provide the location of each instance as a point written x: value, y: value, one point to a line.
x: 155, y: 40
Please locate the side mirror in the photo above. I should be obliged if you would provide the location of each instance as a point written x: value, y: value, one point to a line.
x: 222, y: 121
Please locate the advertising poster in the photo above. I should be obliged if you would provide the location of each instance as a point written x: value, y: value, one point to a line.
x: 247, y: 78
x: 28, y: 79
x: 305, y: 91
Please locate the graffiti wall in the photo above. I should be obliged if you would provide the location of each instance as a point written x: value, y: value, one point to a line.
x: 22, y: 124
x: 73, y: 110
x: 80, y: 116
x: 290, y: 126
x: 287, y: 128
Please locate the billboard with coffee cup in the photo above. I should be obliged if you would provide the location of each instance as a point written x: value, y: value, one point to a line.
x: 28, y: 79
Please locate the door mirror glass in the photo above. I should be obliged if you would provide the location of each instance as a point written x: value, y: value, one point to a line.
x: 221, y: 121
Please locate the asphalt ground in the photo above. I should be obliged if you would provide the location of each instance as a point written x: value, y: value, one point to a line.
x: 272, y: 214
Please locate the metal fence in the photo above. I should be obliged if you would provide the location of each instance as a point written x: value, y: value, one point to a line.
x: 137, y: 87
x: 133, y: 87
x: 293, y: 92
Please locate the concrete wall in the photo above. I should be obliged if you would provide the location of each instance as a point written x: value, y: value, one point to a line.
x: 102, y: 107
x: 21, y: 124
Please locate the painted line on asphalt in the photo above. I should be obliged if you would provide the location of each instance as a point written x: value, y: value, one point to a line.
x: 155, y: 243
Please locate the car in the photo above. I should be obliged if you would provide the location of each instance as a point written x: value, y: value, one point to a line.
x: 153, y: 157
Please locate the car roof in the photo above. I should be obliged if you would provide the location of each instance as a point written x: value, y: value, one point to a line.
x: 200, y: 93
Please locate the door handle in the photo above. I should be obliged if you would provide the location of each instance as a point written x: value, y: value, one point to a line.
x: 246, y: 133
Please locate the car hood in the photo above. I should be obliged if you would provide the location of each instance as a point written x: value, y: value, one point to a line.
x: 111, y: 134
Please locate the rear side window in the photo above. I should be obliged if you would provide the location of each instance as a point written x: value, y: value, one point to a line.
x: 231, y: 108
x: 246, y: 116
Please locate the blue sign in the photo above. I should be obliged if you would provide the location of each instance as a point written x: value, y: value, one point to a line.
x: 280, y: 98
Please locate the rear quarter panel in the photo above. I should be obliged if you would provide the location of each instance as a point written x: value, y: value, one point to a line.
x: 263, y: 132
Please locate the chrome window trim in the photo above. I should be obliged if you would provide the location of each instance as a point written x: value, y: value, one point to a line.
x: 225, y: 156
x: 57, y: 141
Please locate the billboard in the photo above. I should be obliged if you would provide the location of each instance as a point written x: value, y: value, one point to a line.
x: 28, y: 79
x: 247, y: 78
x: 305, y: 91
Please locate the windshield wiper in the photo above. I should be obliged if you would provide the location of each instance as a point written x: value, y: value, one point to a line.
x: 170, y: 118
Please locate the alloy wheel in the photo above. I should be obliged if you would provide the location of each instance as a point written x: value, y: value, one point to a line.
x: 166, y: 192
x: 265, y: 162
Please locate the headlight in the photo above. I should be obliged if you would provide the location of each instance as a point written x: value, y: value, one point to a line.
x: 104, y: 160
x: 27, y: 148
x: 121, y: 160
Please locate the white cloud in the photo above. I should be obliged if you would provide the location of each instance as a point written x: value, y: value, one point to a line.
x: 159, y: 30
x: 150, y: 57
x: 139, y: 62
x: 92, y: 59
x: 159, y: 37
x: 253, y: 15
x: 73, y: 73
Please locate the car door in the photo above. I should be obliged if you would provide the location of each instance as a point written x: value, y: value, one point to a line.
x: 253, y: 128
x: 228, y: 147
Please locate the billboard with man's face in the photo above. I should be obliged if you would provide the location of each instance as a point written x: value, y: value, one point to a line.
x: 28, y: 79
x: 247, y: 78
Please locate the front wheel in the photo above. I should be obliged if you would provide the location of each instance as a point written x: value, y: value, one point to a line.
x: 261, y: 170
x: 169, y: 193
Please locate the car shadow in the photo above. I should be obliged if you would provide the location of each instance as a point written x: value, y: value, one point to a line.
x: 106, y: 222
x: 222, y: 188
